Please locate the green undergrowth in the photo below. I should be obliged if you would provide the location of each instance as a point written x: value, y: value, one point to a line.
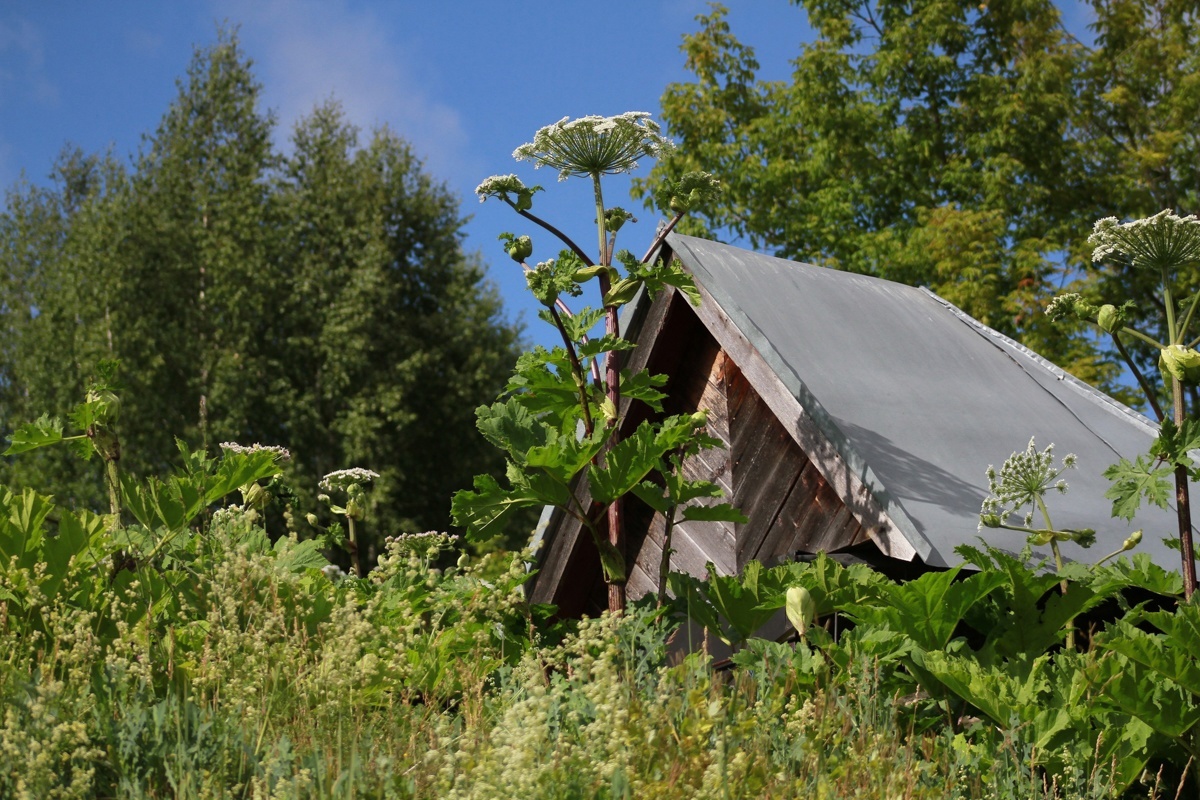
x: 237, y: 667
x: 177, y: 647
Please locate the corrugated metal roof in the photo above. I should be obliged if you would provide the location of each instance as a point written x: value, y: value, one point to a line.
x: 919, y: 398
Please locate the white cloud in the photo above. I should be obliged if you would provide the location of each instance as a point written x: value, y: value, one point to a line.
x: 307, y: 52
x: 22, y: 64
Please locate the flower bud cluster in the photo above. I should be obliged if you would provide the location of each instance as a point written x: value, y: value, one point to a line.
x: 1022, y: 481
x: 345, y: 478
x: 280, y: 453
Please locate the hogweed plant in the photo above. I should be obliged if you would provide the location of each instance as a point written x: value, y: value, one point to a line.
x: 562, y: 414
x: 353, y: 484
x: 1166, y: 245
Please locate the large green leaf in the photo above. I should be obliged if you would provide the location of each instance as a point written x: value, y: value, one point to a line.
x: 1133, y: 480
x: 929, y: 608
x: 40, y: 433
x: 625, y: 464
x: 511, y: 427
x: 484, y: 511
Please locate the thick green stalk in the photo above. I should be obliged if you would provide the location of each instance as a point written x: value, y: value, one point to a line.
x: 1173, y: 336
x: 354, y: 554
x: 612, y: 379
x: 1157, y: 345
x: 1058, y: 567
x: 113, y: 480
x: 1187, y: 319
x: 664, y: 564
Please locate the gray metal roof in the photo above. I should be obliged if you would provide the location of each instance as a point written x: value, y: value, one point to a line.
x: 919, y: 398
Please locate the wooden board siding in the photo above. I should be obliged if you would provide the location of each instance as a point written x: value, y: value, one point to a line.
x: 761, y: 469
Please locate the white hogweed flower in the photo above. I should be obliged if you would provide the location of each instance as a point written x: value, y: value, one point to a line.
x: 344, y: 478
x: 593, y: 145
x: 502, y: 186
x: 280, y: 453
x: 1022, y: 480
x: 1163, y: 241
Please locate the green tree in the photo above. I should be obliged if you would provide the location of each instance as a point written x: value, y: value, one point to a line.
x: 57, y: 298
x: 948, y: 143
x: 320, y: 301
x: 394, y: 336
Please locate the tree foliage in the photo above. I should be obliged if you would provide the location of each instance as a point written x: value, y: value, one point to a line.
x: 948, y: 143
x: 320, y: 300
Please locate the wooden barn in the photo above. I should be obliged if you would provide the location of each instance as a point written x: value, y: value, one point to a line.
x: 859, y: 417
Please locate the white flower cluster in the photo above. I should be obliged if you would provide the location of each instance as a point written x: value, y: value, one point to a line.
x: 1023, y: 480
x: 595, y: 145
x: 280, y: 453
x: 497, y: 185
x: 343, y: 478
x: 1163, y: 241
x: 233, y: 515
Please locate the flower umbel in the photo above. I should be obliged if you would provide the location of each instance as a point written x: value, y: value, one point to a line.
x: 280, y: 453
x: 502, y: 186
x: 595, y: 145
x: 1164, y: 241
x: 1022, y: 481
x: 345, y: 478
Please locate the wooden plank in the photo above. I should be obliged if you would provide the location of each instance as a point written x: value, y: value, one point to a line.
x: 563, y: 532
x: 737, y: 388
x: 765, y: 509
x: 689, y: 379
x: 640, y: 584
x: 710, y: 465
x: 811, y: 507
x: 688, y: 556
x: 756, y: 458
x: 712, y: 400
x: 883, y: 530
x: 713, y: 540
x: 779, y: 540
x: 837, y: 534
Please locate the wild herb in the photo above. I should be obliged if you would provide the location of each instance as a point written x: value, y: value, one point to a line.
x: 563, y: 417
x: 1165, y: 246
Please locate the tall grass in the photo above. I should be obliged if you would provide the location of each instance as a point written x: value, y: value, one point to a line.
x: 420, y: 682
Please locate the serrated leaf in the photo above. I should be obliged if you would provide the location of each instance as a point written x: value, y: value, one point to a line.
x: 565, y: 456
x: 625, y: 465
x: 238, y: 469
x: 652, y: 495
x: 721, y: 512
x: 511, y: 427
x: 1134, y: 480
x: 605, y: 344
x: 484, y: 511
x: 43, y: 431
x: 293, y: 556
x: 683, y: 491
x: 929, y: 608
x: 644, y: 387
x: 1173, y: 443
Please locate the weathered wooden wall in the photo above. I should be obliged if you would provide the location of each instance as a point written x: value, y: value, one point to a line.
x: 761, y: 470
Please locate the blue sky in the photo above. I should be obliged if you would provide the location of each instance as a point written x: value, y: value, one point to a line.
x: 464, y: 82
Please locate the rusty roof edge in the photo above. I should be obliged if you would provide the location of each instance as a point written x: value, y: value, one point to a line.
x: 809, y: 403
